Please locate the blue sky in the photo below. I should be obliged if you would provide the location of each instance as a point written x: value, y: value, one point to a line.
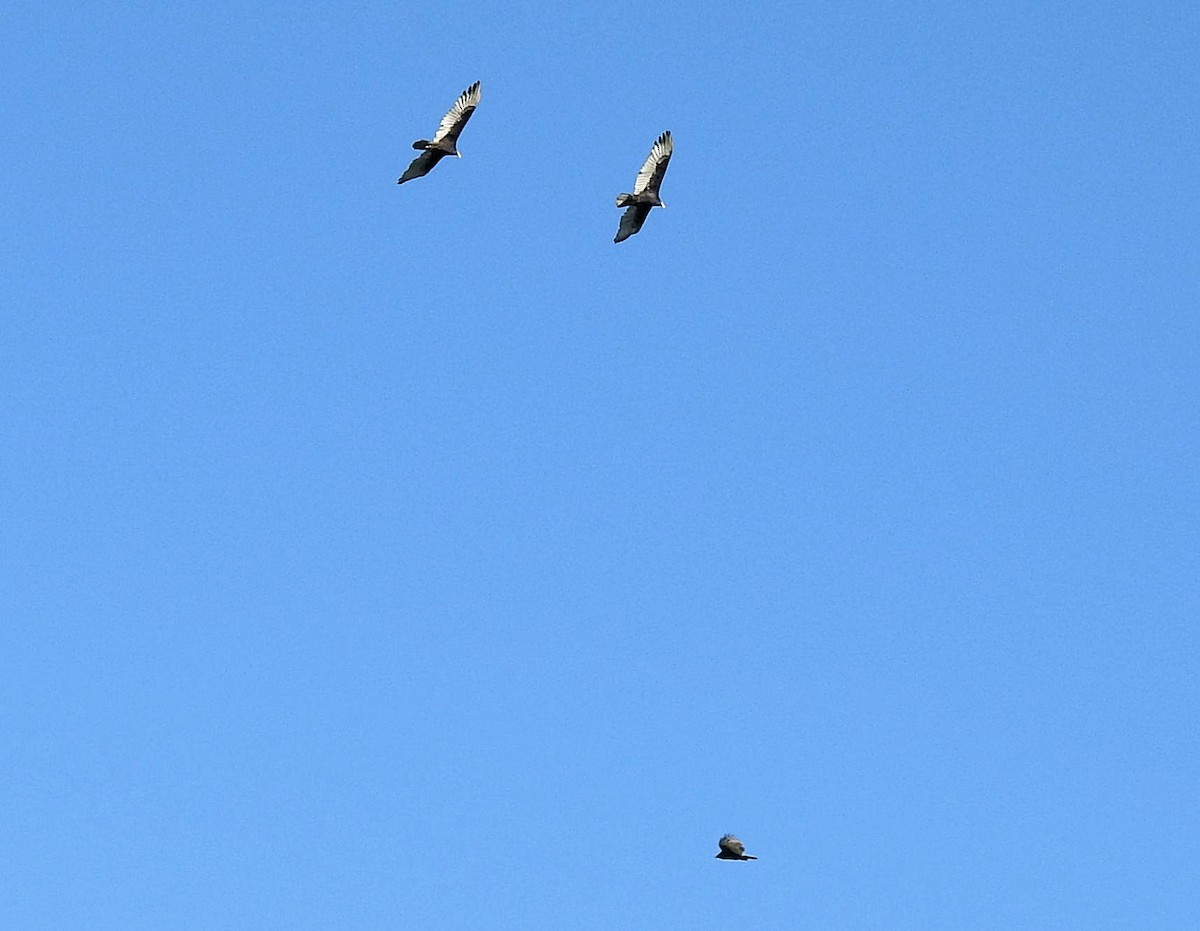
x: 415, y: 557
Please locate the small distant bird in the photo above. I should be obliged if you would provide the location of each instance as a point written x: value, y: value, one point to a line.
x: 445, y: 140
x: 645, y: 188
x: 732, y: 849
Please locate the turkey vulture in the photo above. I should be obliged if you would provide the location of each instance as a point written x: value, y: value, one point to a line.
x: 445, y: 140
x: 732, y: 849
x: 645, y: 188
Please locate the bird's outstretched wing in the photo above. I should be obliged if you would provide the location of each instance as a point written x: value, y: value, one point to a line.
x: 631, y: 221
x: 655, y: 166
x: 421, y: 165
x: 456, y: 117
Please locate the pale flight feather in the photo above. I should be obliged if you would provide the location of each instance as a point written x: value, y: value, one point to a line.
x: 655, y: 166
x: 456, y: 117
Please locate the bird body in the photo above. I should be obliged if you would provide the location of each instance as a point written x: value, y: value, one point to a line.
x: 732, y: 849
x: 445, y: 140
x: 645, y: 188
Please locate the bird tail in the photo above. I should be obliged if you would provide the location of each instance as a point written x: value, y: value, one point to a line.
x: 747, y: 856
x: 623, y: 199
x: 422, y: 144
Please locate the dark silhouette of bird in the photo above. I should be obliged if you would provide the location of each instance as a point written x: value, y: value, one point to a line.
x: 445, y: 140
x: 732, y: 849
x: 645, y: 188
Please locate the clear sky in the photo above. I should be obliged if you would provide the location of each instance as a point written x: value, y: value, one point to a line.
x: 415, y: 557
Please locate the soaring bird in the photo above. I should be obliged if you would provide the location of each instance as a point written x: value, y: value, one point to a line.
x: 445, y: 140
x: 732, y: 849
x: 645, y: 188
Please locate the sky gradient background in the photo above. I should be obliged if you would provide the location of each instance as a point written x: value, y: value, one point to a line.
x: 415, y: 557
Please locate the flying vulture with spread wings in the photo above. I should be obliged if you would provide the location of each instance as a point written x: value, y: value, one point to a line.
x: 645, y: 188
x: 445, y: 140
x: 732, y: 849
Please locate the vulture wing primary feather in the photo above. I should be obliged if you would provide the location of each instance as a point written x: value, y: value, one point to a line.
x: 649, y: 178
x: 445, y: 140
x: 732, y: 849
x: 631, y: 221
x: 645, y: 188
